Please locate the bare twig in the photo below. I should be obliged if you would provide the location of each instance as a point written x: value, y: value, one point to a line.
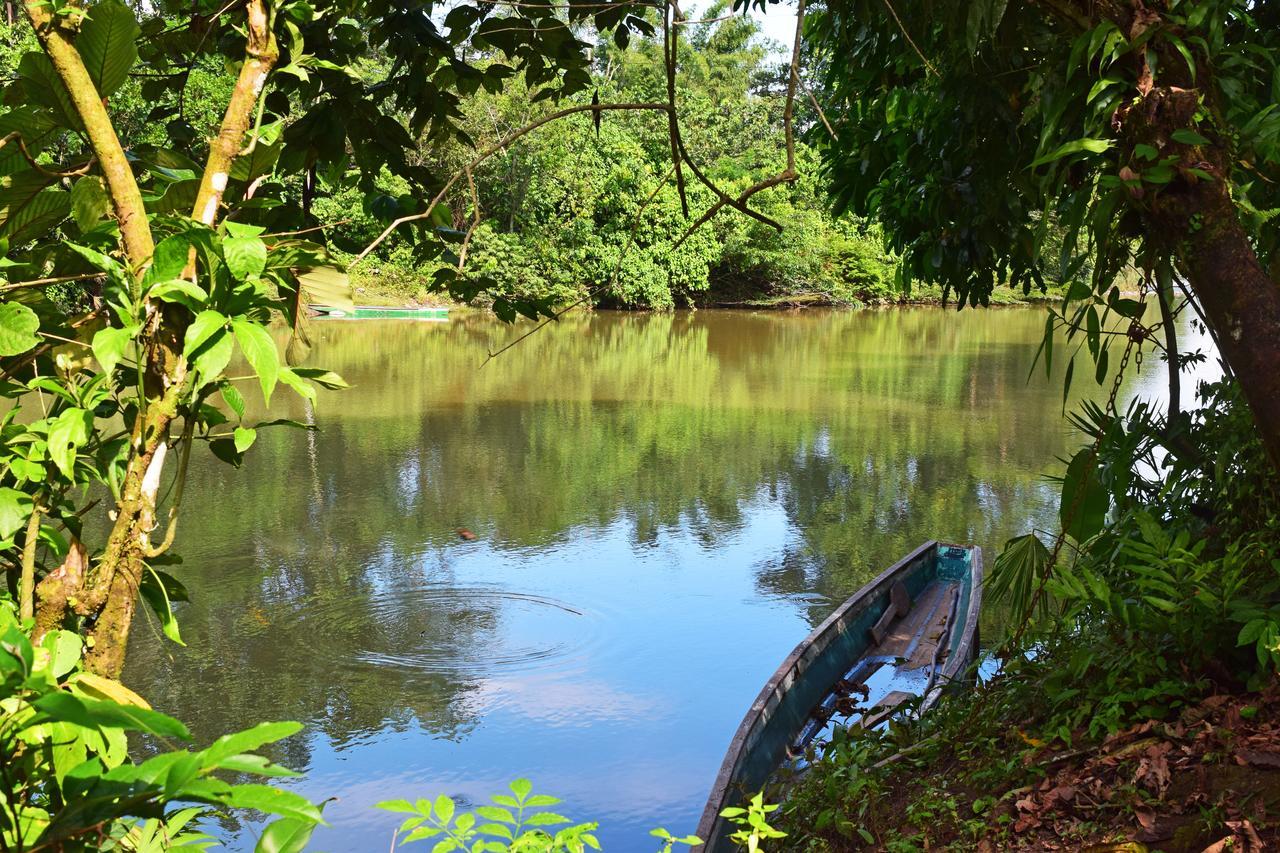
x: 489, y: 152
x: 788, y: 174
x: 670, y: 45
x: 684, y: 23
x: 475, y: 221
x: 45, y: 282
x: 40, y: 167
x: 310, y: 230
x: 818, y: 107
x: 910, y: 41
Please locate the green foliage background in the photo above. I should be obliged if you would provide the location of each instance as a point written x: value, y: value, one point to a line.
x: 558, y: 207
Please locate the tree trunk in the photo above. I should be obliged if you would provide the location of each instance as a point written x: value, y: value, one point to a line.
x: 1240, y: 301
x: 1195, y: 220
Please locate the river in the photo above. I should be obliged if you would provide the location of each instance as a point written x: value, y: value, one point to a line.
x: 662, y: 506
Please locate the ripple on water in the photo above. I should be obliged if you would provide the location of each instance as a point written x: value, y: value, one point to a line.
x: 454, y: 630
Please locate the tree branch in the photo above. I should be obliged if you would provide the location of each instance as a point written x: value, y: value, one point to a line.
x: 261, y: 53
x: 126, y: 198
x: 489, y: 152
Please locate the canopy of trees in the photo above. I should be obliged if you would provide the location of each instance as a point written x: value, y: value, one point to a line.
x: 1148, y: 132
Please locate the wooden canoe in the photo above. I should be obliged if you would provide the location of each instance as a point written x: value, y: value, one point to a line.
x: 911, y: 632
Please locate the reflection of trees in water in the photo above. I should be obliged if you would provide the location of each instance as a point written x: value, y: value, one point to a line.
x: 873, y: 430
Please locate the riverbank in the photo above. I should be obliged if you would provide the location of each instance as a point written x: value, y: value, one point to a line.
x: 393, y: 286
x: 1206, y: 777
x: 1136, y: 708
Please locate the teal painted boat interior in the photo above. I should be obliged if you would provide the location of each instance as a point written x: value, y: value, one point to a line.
x: 782, y: 718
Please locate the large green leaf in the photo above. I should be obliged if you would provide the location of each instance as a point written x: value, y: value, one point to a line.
x: 246, y: 257
x: 269, y: 800
x: 260, y: 351
x: 18, y: 325
x: 1085, y: 502
x: 109, y: 346
x: 327, y: 286
x: 212, y: 357
x: 247, y: 741
x: 15, y: 509
x: 202, y: 328
x: 286, y: 835
x: 43, y: 87
x: 177, y: 197
x: 262, y: 159
x: 38, y: 129
x: 68, y: 432
x: 98, y: 713
x: 29, y: 205
x: 89, y: 201
x: 108, y: 44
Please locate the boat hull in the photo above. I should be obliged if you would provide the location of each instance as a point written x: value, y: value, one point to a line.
x: 786, y: 705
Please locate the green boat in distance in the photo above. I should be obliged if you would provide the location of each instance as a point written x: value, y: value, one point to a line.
x: 908, y: 634
x: 384, y: 312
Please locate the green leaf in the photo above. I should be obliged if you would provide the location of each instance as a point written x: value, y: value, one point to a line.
x: 99, y: 713
x: 109, y: 346
x: 154, y: 593
x: 303, y: 388
x: 15, y: 509
x: 43, y: 86
x: 1086, y: 145
x: 38, y: 132
x: 29, y: 206
x: 202, y: 328
x: 213, y: 358
x: 496, y: 813
x: 169, y: 259
x: 521, y: 788
x: 67, y: 433
x: 286, y: 835
x: 244, y: 438
x: 18, y: 325
x: 64, y: 651
x: 269, y: 800
x: 262, y: 159
x: 1066, y: 381
x: 260, y: 351
x: 89, y: 202
x: 234, y: 399
x: 1188, y: 137
x: 444, y: 808
x: 247, y: 741
x: 241, y: 229
x: 1084, y: 505
x: 246, y: 257
x: 181, y: 291
x: 108, y: 43
x: 324, y: 378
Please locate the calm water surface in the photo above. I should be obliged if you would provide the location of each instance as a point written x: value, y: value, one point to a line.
x: 663, y: 505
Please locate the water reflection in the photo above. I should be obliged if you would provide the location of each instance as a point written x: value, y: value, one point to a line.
x: 663, y: 504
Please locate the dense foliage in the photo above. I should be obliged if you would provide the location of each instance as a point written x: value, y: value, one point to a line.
x: 561, y: 207
x: 1147, y: 132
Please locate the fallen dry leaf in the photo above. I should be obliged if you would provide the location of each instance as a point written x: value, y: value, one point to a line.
x: 1258, y: 757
